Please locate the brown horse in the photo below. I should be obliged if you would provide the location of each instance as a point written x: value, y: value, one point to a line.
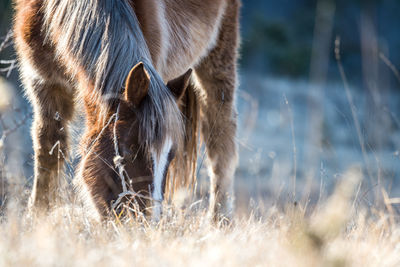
x: 121, y: 59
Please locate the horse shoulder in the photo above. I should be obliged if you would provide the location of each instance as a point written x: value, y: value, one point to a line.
x: 150, y: 16
x: 33, y: 52
x: 192, y: 29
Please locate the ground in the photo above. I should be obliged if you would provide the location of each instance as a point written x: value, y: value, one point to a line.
x: 304, y: 197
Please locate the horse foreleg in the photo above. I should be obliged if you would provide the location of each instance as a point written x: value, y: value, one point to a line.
x: 217, y: 76
x: 53, y: 108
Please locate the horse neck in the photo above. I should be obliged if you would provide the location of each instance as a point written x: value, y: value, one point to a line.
x: 98, y: 36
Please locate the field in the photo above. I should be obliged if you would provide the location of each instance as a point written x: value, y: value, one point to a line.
x: 333, y: 234
x: 317, y: 223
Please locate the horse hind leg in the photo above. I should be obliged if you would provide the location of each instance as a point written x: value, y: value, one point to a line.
x: 217, y: 76
x: 53, y: 108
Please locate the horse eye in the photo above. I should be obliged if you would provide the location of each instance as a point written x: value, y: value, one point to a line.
x: 127, y: 155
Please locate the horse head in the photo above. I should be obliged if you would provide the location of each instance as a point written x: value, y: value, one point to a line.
x: 124, y: 164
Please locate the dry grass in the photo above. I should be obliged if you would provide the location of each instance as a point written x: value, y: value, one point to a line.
x: 334, y: 234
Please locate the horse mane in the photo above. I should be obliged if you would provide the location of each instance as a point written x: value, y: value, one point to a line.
x: 104, y: 40
x: 182, y: 172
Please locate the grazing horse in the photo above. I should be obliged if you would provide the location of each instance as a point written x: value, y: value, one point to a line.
x: 148, y: 72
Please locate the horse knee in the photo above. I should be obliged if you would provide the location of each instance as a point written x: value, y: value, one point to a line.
x: 219, y: 134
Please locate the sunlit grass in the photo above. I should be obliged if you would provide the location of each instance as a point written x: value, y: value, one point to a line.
x: 333, y: 234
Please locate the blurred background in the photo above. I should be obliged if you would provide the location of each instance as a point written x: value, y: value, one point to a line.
x: 305, y: 117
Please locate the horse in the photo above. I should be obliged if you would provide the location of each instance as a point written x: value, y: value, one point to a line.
x: 152, y: 76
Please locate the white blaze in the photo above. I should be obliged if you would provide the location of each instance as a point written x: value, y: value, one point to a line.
x: 160, y: 164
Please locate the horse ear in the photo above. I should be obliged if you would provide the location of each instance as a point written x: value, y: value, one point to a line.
x: 178, y: 86
x: 137, y: 84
